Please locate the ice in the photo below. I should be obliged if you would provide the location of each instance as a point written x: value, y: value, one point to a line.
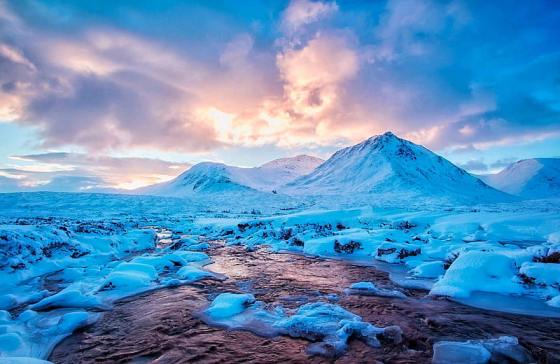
x: 229, y: 304
x: 146, y: 270
x: 479, y: 271
x: 127, y: 280
x: 69, y: 322
x: 34, y: 334
x: 23, y: 360
x: 542, y: 273
x: 332, y: 326
x: 428, y: 270
x: 505, y: 349
x: 447, y: 352
x: 190, y: 256
x: 369, y: 288
x: 8, y: 301
x: 168, y: 261
x: 192, y: 273
x: 329, y: 326
x: 73, y: 296
x: 554, y: 302
x: 199, y: 247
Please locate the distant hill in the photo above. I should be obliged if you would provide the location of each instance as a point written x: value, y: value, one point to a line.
x: 528, y: 178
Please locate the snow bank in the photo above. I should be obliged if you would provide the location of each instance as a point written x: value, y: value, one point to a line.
x: 34, y: 334
x: 428, y: 270
x: 542, y: 273
x: 77, y: 296
x: 479, y: 271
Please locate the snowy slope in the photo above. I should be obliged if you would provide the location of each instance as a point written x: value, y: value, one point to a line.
x: 388, y: 164
x: 530, y: 178
x: 204, y: 177
x: 210, y: 177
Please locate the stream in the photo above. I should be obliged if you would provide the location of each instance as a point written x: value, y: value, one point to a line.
x: 162, y: 326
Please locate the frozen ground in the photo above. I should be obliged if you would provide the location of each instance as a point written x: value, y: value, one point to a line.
x: 67, y: 259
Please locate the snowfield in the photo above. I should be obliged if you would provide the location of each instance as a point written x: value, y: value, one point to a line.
x: 59, y: 272
x: 67, y: 258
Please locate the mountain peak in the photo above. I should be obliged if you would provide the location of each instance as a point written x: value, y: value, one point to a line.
x: 386, y: 163
x: 303, y: 162
x: 529, y: 178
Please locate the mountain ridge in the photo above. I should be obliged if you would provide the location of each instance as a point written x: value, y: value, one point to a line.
x: 212, y: 177
x: 388, y: 164
x: 528, y: 178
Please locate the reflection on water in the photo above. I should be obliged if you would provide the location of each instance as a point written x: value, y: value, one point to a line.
x: 162, y: 326
x: 512, y: 304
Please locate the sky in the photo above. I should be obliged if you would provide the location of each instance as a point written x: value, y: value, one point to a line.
x: 98, y: 95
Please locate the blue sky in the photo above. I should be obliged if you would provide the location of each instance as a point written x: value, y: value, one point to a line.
x: 88, y: 87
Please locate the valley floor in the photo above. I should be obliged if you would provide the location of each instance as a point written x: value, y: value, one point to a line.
x: 129, y: 278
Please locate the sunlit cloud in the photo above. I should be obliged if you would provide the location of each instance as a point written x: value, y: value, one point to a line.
x: 105, y: 171
x: 313, y: 74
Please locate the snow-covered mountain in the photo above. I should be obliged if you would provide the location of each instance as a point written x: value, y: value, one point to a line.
x: 529, y: 178
x: 208, y: 177
x: 388, y: 164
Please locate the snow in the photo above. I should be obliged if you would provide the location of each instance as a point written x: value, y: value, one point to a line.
x: 23, y: 360
x: 73, y: 296
x: 332, y: 326
x: 479, y: 271
x: 529, y: 178
x: 428, y: 270
x: 191, y: 273
x: 554, y: 302
x: 33, y: 334
x: 328, y: 326
x: 369, y: 288
x: 387, y: 203
x: 229, y: 304
x: 208, y: 177
x: 364, y: 285
x: 446, y: 352
x: 387, y: 164
x: 547, y: 274
x: 505, y: 349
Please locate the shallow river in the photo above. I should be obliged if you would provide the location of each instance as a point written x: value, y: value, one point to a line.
x: 162, y: 326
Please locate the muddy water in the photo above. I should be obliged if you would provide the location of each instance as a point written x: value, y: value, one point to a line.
x: 162, y: 326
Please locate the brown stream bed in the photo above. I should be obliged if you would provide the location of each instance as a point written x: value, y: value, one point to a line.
x: 162, y: 326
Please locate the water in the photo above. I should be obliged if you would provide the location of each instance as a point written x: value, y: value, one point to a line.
x: 163, y: 326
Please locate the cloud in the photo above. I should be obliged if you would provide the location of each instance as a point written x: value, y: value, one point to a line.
x: 474, y: 165
x: 480, y: 166
x: 302, y: 12
x: 502, y: 163
x: 314, y: 73
x: 429, y: 70
x: 41, y: 170
x: 110, y: 90
x: 412, y: 26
